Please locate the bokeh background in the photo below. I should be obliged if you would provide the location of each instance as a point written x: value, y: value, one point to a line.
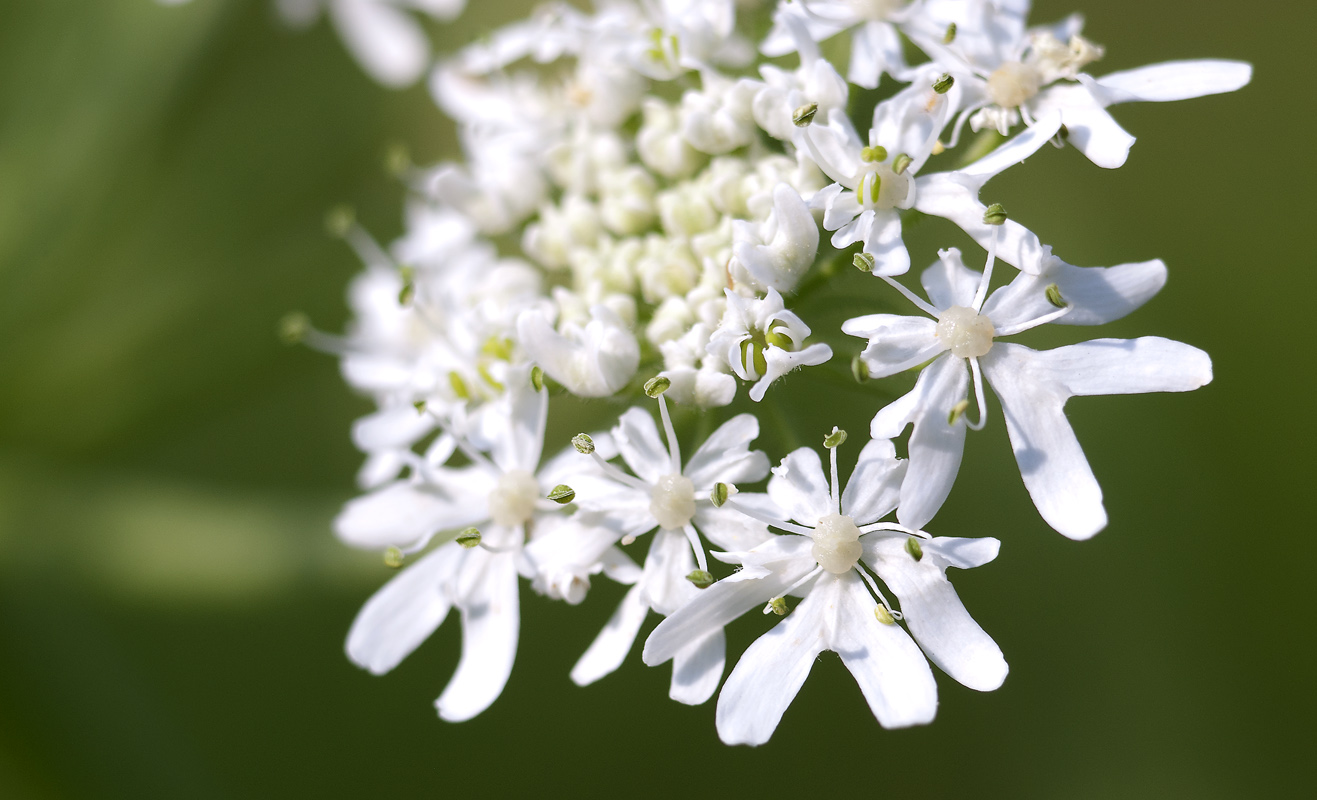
x: 173, y: 603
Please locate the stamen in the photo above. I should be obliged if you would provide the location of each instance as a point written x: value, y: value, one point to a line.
x: 873, y: 587
x: 978, y: 394
x: 814, y: 573
x: 696, y: 546
x: 674, y: 449
x: 824, y: 164
x: 922, y: 305
x: 776, y: 523
x: 982, y: 293
x: 874, y: 527
x: 617, y: 474
x: 1035, y: 322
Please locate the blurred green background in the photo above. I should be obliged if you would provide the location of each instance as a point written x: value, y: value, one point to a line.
x: 173, y: 604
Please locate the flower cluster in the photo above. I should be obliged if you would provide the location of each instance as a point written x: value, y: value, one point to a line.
x: 645, y: 191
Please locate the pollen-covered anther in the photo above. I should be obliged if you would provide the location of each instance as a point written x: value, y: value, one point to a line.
x: 512, y: 501
x: 965, y: 332
x: 1013, y: 84
x: 836, y: 543
x: 672, y: 502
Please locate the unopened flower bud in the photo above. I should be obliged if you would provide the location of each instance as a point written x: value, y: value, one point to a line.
x: 468, y: 538
x: 1054, y: 297
x: 804, y: 115
x: 901, y: 163
x: 914, y: 548
x: 995, y: 214
x: 701, y: 578
x: 864, y: 262
x: 583, y: 443
x: 562, y: 494
x: 835, y: 439
x: 657, y: 386
x: 943, y: 84
x: 393, y: 558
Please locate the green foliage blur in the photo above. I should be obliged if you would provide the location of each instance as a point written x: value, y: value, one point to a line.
x: 173, y: 602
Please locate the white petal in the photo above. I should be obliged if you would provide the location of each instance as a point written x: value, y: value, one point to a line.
x: 697, y: 668
x: 669, y: 561
x: 779, y: 362
x: 942, y: 195
x: 404, y: 612
x: 637, y: 439
x: 609, y: 649
x: 936, y: 616
x: 380, y: 467
x: 883, y: 240
x: 948, y: 282
x: 875, y: 485
x: 1012, y: 152
x: 729, y: 528
x: 935, y: 445
x: 522, y: 415
x: 402, y: 513
x: 490, y: 624
x: 1096, y: 134
x: 726, y: 456
x: 400, y: 426
x: 1124, y: 366
x: 896, y: 343
x: 771, y: 672
x: 964, y: 553
x: 1097, y: 295
x: 389, y: 44
x: 1176, y: 80
x: 875, y: 49
x: 800, y: 488
x: 893, y: 674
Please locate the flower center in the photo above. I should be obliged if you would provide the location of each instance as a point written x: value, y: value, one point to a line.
x: 836, y: 543
x: 1013, y: 84
x: 512, y: 501
x: 882, y: 188
x: 965, y: 332
x: 673, y: 501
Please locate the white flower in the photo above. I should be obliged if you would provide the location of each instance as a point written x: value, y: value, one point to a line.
x: 843, y: 609
x: 875, y: 44
x: 661, y: 145
x: 594, y: 361
x: 674, y: 502
x: 776, y: 253
x: 718, y: 118
x: 761, y: 341
x: 503, y: 496
x: 961, y: 330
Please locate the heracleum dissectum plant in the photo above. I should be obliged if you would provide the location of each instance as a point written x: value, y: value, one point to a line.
x: 647, y: 190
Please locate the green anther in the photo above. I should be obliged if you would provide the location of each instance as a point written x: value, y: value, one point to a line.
x: 657, y: 386
x: 835, y: 439
x: 562, y: 494
x: 294, y: 327
x: 583, y: 443
x: 859, y: 369
x: 900, y: 164
x: 459, y: 386
x: 943, y: 84
x: 497, y: 347
x: 468, y: 538
x: 775, y: 338
x: 393, y: 558
x: 864, y: 262
x: 490, y: 379
x: 874, y: 154
x: 950, y: 35
x: 419, y: 405
x: 339, y: 220
x: 956, y: 411
x: 537, y: 378
x: 914, y: 548
x: 804, y: 115
x: 995, y: 215
x: 752, y: 356
x: 408, y: 290
x: 778, y: 605
x: 719, y: 494
x: 884, y: 616
x: 701, y: 578
x: 1054, y: 297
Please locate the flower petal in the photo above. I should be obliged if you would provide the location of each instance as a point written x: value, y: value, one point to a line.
x: 800, y: 488
x: 607, y: 652
x: 948, y: 282
x: 1096, y: 295
x: 883, y: 241
x: 726, y: 456
x: 404, y: 612
x: 893, y: 674
x: 403, y: 513
x: 1175, y: 80
x: 490, y: 624
x: 729, y: 528
x: 637, y: 439
x: 896, y: 343
x: 697, y: 668
x: 875, y: 484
